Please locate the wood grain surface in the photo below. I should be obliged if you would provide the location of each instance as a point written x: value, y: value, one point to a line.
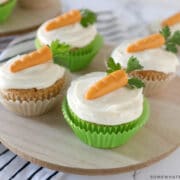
x: 48, y: 141
x: 26, y: 20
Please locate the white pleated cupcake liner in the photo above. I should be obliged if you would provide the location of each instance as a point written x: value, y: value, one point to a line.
x: 30, y: 108
x: 153, y: 87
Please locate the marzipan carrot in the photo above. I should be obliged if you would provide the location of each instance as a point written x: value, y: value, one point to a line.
x: 150, y: 42
x: 111, y: 82
x: 171, y: 20
x: 66, y: 19
x: 34, y: 58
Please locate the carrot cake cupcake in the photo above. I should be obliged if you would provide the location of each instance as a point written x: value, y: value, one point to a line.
x: 30, y: 84
x: 171, y: 28
x: 6, y: 8
x: 73, y: 38
x: 105, y: 110
x: 159, y: 64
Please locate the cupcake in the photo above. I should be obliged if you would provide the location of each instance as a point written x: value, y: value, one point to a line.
x: 30, y: 84
x: 72, y: 37
x: 6, y: 7
x: 159, y: 64
x: 105, y: 110
x: 171, y: 28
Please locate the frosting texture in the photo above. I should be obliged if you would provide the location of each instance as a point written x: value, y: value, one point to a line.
x: 175, y: 27
x: 118, y: 107
x: 39, y: 76
x: 74, y: 35
x: 156, y: 59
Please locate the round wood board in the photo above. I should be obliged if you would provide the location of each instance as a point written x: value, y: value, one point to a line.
x: 27, y: 19
x: 48, y: 141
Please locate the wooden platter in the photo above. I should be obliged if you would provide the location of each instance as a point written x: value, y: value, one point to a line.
x: 27, y: 20
x: 48, y: 141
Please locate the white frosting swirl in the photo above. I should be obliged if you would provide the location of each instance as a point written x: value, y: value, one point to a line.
x: 39, y: 76
x: 120, y: 106
x: 74, y: 35
x: 156, y: 59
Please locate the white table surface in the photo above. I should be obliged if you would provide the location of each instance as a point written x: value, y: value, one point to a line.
x: 142, y: 13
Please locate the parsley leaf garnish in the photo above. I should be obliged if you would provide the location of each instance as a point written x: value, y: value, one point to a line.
x: 57, y: 49
x: 165, y: 32
x: 172, y: 40
x: 88, y: 17
x: 176, y: 37
x: 133, y: 64
x: 112, y: 66
x: 135, y: 83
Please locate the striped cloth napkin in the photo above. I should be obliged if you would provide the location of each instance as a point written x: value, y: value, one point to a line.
x: 11, y: 165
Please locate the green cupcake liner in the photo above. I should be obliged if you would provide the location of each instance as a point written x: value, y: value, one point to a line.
x: 6, y: 10
x: 80, y: 58
x: 102, y: 136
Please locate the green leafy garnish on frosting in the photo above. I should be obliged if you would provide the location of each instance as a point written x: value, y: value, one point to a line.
x: 133, y: 64
x: 112, y: 66
x: 172, y: 40
x: 135, y: 83
x: 88, y: 17
x: 165, y: 32
x: 58, y: 48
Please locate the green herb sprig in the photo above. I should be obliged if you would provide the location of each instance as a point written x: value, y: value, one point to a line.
x: 88, y: 17
x: 135, y: 83
x: 133, y: 64
x: 172, y: 39
x: 58, y: 48
x: 112, y: 66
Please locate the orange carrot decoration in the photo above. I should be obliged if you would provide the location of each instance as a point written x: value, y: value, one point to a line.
x: 37, y: 57
x: 171, y: 20
x: 150, y: 42
x: 66, y: 19
x: 108, y: 84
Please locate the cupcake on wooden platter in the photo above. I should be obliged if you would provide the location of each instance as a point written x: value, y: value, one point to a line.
x: 30, y: 84
x: 106, y: 109
x: 73, y: 38
x: 154, y: 54
x: 6, y: 8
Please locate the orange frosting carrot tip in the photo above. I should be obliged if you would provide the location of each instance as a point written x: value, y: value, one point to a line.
x: 68, y: 18
x: 109, y: 83
x: 171, y: 20
x: 150, y: 42
x: 32, y: 59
